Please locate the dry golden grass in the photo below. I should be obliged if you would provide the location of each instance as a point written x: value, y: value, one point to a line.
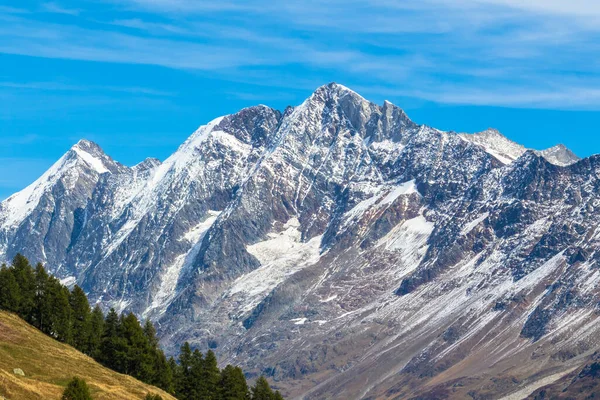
x: 50, y: 365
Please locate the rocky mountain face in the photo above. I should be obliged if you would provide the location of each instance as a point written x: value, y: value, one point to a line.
x: 581, y: 383
x: 338, y: 248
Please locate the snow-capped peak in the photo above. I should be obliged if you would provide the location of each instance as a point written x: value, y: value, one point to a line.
x: 148, y: 164
x: 507, y: 151
x: 92, y: 155
x: 335, y: 90
x: 559, y: 155
x: 496, y: 144
x: 86, y: 155
x: 345, y: 89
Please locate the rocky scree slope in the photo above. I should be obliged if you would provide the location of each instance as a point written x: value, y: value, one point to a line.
x: 337, y: 247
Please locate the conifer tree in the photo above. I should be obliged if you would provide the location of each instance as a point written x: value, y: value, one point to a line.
x: 42, y: 311
x: 81, y: 319
x: 139, y: 359
x: 118, y: 342
x: 61, y: 313
x: 210, y: 377
x: 196, y: 377
x: 96, y: 332
x: 185, y: 357
x: 176, y: 376
x: 150, y: 333
x: 163, y: 374
x: 10, y: 292
x: 261, y: 390
x: 25, y: 278
x: 277, y: 396
x: 110, y: 346
x: 77, y: 389
x: 233, y: 384
x: 183, y: 381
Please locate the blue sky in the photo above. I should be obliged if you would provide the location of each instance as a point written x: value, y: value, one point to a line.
x: 138, y: 76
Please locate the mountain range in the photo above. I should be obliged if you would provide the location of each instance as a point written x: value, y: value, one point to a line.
x: 338, y: 248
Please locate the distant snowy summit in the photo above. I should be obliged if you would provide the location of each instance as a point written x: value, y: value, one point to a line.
x: 507, y: 151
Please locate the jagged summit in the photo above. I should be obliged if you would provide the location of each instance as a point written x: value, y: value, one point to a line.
x: 335, y: 93
x: 88, y: 145
x: 337, y: 88
x: 148, y: 164
x: 93, y: 155
x: 338, y: 92
x: 91, y: 148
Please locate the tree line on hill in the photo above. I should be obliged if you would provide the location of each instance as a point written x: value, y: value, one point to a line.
x: 119, y: 342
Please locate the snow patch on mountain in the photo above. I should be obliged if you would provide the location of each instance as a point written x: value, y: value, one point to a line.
x: 281, y: 255
x: 402, y: 189
x: 231, y: 141
x: 69, y: 281
x: 330, y: 298
x: 148, y: 164
x: 169, y: 278
x: 95, y: 163
x: 471, y: 225
x: 383, y: 197
x: 129, y: 189
x: 410, y: 239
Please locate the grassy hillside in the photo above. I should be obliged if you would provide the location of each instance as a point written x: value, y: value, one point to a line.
x: 49, y: 365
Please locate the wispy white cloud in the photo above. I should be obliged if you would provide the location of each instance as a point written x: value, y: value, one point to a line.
x: 13, y: 10
x: 20, y: 139
x: 153, y: 27
x: 580, y: 9
x: 186, y: 6
x: 52, y: 7
x: 559, y: 98
x: 503, y: 52
x: 320, y: 12
x: 33, y: 38
x: 19, y: 104
x: 59, y: 86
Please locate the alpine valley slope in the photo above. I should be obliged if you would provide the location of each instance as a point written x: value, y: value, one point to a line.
x: 49, y: 366
x: 339, y: 248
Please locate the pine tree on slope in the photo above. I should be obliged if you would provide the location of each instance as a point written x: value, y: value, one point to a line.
x: 96, y: 332
x: 211, y: 377
x: 233, y: 384
x: 261, y: 390
x: 10, y: 292
x: 81, y: 319
x: 77, y: 389
x: 25, y: 277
